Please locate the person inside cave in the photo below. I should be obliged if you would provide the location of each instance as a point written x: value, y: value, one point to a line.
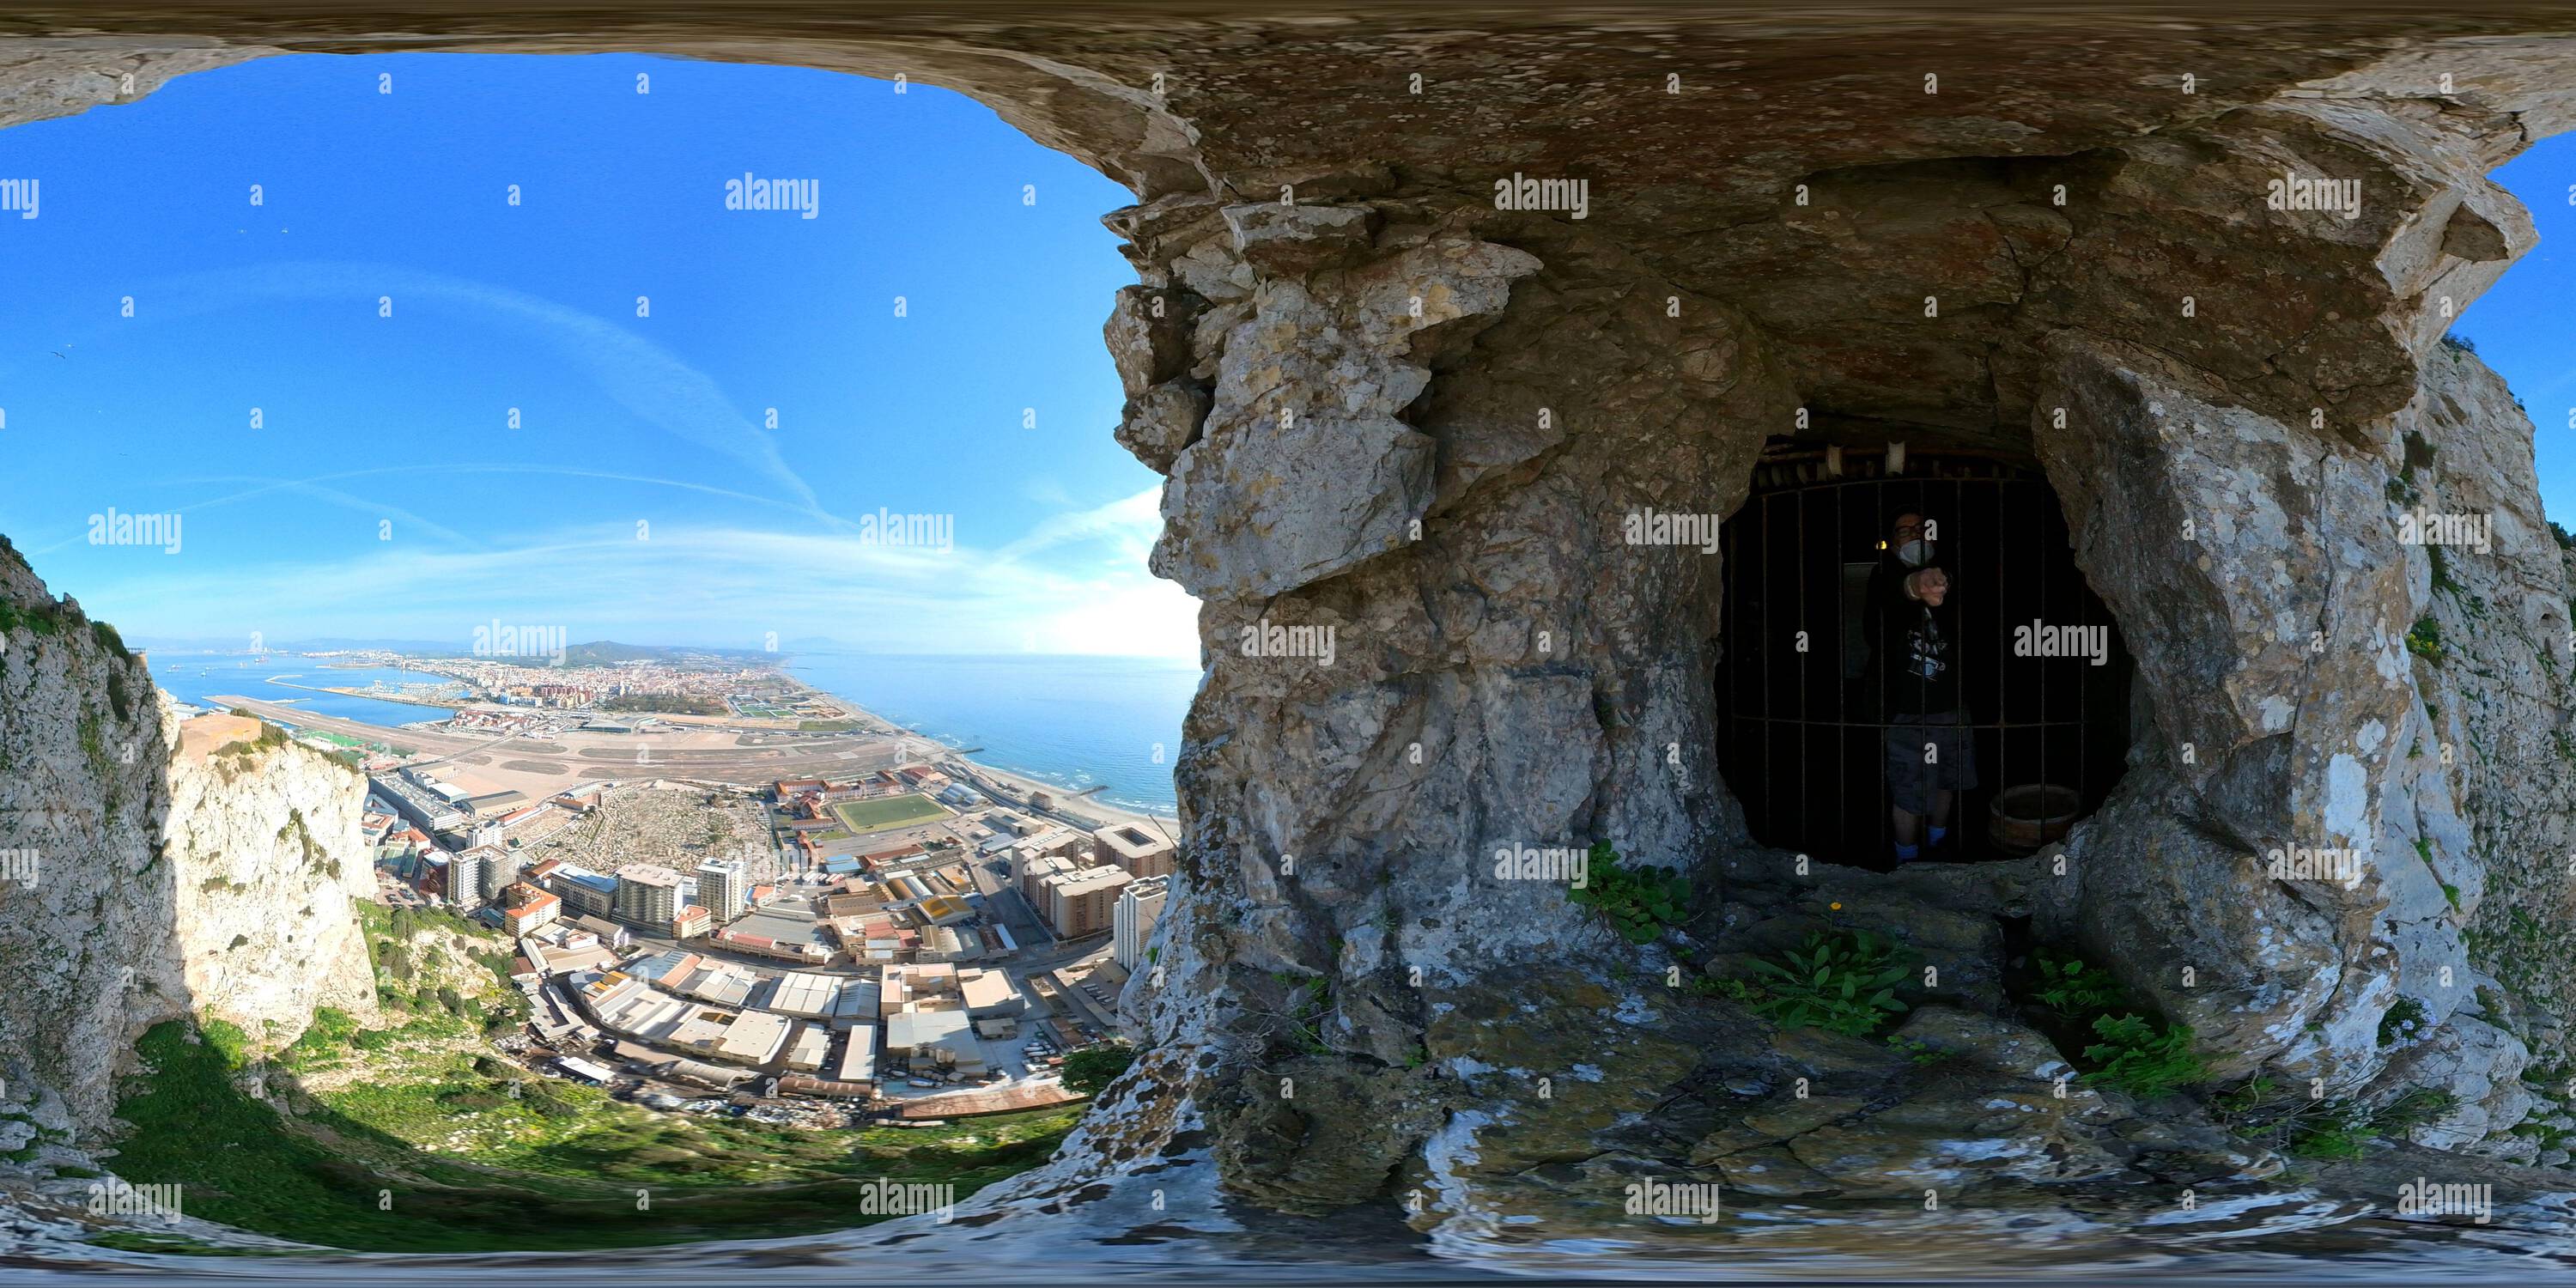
x: 1908, y: 546
x: 1931, y: 754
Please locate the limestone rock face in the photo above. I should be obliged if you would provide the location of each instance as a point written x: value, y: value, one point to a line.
x: 1418, y: 431
x: 155, y: 885
x: 269, y: 858
x: 86, y: 944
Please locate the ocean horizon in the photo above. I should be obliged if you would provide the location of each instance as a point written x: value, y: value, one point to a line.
x: 1069, y: 720
x: 1073, y: 721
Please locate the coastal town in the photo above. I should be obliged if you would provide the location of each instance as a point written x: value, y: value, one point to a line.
x: 757, y: 899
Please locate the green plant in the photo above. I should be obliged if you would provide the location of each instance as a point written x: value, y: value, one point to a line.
x: 2339, y: 1129
x: 2401, y: 1021
x: 1843, y: 984
x: 1638, y: 901
x: 2417, y: 1107
x: 2425, y: 639
x: 2141, y: 1057
x: 1090, y: 1071
x: 1918, y: 1052
x: 2073, y: 990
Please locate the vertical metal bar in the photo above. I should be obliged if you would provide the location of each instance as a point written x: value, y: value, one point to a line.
x: 1842, y: 689
x: 2003, y: 632
x: 1806, y: 674
x: 2039, y: 520
x: 1765, y: 637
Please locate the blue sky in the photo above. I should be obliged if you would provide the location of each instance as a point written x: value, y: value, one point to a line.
x: 646, y: 494
x: 2521, y: 325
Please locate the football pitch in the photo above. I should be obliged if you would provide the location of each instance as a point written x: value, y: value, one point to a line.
x: 863, y: 817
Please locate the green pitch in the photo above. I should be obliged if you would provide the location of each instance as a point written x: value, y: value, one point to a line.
x: 863, y: 817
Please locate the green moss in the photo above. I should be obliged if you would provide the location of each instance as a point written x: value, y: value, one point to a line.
x: 2441, y: 570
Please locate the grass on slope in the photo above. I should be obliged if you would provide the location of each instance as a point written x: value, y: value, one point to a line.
x: 350, y: 1172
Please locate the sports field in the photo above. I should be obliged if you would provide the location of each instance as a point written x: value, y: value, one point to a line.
x: 863, y: 817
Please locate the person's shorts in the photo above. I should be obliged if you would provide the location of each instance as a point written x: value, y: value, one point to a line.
x: 1949, y: 764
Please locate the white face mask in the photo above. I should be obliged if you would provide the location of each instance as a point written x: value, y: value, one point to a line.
x: 1915, y: 553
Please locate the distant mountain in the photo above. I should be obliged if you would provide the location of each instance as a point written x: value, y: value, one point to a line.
x: 594, y: 653
x: 610, y: 652
x: 237, y: 644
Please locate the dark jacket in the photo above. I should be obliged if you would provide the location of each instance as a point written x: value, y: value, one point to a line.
x: 1918, y: 658
x: 1885, y: 598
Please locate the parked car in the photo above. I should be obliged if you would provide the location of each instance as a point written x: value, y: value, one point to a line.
x: 924, y: 1082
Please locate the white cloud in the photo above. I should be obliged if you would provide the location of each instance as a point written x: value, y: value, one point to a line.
x: 714, y: 586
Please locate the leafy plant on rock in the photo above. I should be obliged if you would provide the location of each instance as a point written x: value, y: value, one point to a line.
x: 1639, y: 901
x: 1842, y: 983
x: 2402, y: 1022
x: 2142, y: 1057
x: 2073, y: 990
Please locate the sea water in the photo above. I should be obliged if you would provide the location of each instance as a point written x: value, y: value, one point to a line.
x: 1070, y: 721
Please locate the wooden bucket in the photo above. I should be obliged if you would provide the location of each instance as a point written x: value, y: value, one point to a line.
x: 2024, y: 818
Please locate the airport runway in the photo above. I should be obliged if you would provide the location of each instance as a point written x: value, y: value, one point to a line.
x: 616, y: 755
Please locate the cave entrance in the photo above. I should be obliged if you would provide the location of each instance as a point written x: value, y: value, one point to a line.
x: 1804, y: 702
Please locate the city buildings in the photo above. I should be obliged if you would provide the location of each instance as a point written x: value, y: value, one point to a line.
x: 1082, y: 903
x: 721, y: 888
x: 1030, y: 871
x: 744, y: 941
x: 805, y: 995
x: 944, y: 1038
x: 988, y: 993
x: 525, y: 907
x: 497, y: 869
x: 465, y: 878
x: 1140, y: 905
x: 647, y: 894
x: 1141, y: 852
x: 584, y: 892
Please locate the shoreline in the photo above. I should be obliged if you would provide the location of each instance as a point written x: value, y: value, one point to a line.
x: 912, y: 747
x: 917, y: 746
